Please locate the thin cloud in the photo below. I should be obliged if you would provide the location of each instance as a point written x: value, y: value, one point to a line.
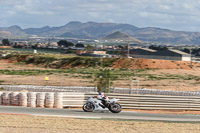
x: 176, y: 14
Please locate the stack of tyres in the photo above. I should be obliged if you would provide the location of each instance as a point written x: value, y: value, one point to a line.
x: 6, y: 98
x: 49, y: 100
x: 23, y: 99
x: 31, y: 99
x: 40, y: 99
x: 58, y: 100
x: 14, y: 98
x: 1, y: 99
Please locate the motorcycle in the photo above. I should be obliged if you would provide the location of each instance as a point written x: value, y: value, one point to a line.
x: 94, y: 103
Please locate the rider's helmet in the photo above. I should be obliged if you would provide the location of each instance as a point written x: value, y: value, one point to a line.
x: 102, y: 94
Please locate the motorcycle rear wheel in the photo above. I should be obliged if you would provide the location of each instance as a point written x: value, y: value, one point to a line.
x: 88, y: 107
x: 115, y: 108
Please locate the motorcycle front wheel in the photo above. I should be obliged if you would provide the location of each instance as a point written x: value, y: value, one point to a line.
x: 115, y: 108
x: 88, y: 107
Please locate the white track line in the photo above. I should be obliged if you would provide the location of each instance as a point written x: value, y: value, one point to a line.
x: 68, y: 116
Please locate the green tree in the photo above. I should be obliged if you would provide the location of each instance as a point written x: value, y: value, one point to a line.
x: 157, y: 47
x: 64, y: 43
x: 80, y: 45
x: 120, y: 46
x: 186, y: 50
x: 6, y: 42
x: 90, y: 48
x: 103, y: 80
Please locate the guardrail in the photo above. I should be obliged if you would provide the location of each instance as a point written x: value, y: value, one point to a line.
x: 143, y: 91
x: 138, y: 101
x: 33, y: 88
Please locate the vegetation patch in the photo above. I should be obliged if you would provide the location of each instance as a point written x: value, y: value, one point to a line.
x: 1, y: 81
x: 2, y: 89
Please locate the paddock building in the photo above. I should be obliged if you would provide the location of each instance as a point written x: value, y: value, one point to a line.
x: 167, y: 54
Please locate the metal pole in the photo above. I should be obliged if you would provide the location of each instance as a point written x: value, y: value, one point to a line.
x: 84, y: 81
x: 101, y: 62
x: 191, y: 58
x: 13, y: 80
x: 32, y: 80
x: 61, y: 82
x: 138, y: 87
x: 128, y: 51
x: 131, y: 86
x: 109, y: 84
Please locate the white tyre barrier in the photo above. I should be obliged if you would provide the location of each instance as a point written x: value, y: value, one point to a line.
x: 1, y: 99
x: 14, y: 98
x: 31, y: 99
x: 40, y: 99
x: 6, y: 98
x: 23, y: 99
x: 49, y: 100
x: 58, y: 100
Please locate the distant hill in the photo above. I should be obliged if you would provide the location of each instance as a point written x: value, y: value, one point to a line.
x: 74, y: 35
x: 89, y: 30
x: 12, y: 31
x: 121, y: 37
x: 94, y: 30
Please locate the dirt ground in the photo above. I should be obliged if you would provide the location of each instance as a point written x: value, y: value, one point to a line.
x: 140, y: 63
x: 61, y: 80
x: 33, y: 124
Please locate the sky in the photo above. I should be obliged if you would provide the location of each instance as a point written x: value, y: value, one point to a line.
x: 181, y: 15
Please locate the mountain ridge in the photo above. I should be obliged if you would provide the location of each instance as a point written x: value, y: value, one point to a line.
x: 121, y: 36
x: 95, y: 30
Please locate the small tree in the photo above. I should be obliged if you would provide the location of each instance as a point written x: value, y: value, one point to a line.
x: 103, y: 80
x: 120, y: 46
x: 186, y: 50
x: 64, y: 43
x: 80, y: 45
x: 6, y: 42
x: 90, y: 48
x: 157, y: 47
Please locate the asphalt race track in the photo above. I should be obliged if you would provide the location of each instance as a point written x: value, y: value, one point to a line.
x: 98, y: 114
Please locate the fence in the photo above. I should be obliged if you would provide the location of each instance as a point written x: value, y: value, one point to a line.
x: 138, y: 101
x: 47, y: 88
x: 155, y: 92
x: 94, y: 89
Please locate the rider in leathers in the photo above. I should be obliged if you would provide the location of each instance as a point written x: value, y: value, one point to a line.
x: 104, y: 99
